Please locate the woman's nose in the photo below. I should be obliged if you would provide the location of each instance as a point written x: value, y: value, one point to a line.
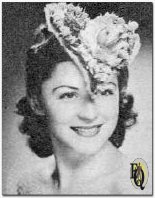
x: 88, y: 112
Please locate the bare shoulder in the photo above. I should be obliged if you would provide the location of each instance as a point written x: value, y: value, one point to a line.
x: 33, y: 179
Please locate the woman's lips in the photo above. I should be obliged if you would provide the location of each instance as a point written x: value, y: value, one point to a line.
x: 87, y: 131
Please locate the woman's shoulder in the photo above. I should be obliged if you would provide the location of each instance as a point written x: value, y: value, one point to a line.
x: 34, y: 178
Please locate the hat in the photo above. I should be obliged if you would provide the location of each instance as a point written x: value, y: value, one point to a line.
x: 102, y: 45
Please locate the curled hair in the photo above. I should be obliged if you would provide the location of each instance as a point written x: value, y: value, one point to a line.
x: 39, y: 66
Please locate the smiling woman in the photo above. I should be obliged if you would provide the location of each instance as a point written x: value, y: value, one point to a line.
x: 76, y: 108
x: 86, y: 114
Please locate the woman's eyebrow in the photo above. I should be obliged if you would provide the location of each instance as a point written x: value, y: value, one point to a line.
x: 66, y: 86
x: 112, y: 83
x: 106, y: 83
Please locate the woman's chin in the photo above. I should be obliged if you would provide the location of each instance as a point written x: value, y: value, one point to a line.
x: 90, y: 143
x: 92, y: 150
x: 83, y: 141
x: 89, y: 148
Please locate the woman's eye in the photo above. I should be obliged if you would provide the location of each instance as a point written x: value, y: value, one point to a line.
x: 69, y: 95
x: 106, y: 92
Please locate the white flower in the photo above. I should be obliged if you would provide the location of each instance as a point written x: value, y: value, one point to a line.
x: 104, y: 43
x: 132, y: 25
x: 135, y: 49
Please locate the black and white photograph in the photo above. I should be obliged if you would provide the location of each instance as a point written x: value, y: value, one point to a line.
x: 77, y: 83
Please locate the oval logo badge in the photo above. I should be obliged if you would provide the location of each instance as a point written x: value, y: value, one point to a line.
x: 139, y: 173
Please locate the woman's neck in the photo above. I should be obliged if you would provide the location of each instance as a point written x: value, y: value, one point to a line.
x: 75, y: 168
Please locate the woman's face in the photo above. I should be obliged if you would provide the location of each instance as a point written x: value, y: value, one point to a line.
x: 79, y: 119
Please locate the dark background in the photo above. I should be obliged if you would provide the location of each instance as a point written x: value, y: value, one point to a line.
x: 19, y: 20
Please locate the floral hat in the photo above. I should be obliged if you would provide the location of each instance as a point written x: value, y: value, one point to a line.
x: 102, y: 45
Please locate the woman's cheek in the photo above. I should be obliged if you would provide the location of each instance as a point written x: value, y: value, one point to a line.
x: 62, y: 112
x: 109, y: 107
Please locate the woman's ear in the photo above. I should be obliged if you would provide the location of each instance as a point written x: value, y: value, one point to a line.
x: 36, y: 106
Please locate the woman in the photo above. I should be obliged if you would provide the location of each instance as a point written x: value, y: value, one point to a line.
x: 76, y: 110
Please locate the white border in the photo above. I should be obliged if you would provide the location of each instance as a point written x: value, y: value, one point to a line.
x: 1, y: 86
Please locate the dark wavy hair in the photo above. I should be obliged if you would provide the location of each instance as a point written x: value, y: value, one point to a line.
x: 39, y: 66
